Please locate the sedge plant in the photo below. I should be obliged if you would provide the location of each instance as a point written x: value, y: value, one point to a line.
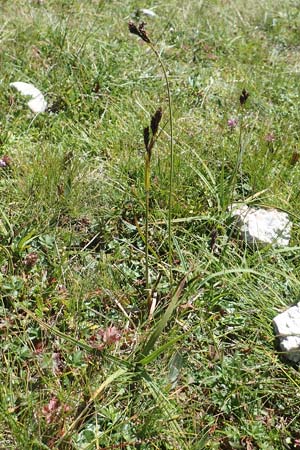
x: 140, y: 31
x: 239, y: 159
x: 149, y: 143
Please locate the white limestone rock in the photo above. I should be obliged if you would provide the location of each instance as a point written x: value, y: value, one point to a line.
x: 148, y: 12
x: 287, y: 328
x: 260, y: 226
x: 37, y: 103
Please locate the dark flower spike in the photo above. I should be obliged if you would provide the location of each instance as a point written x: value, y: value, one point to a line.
x: 139, y: 31
x: 143, y: 32
x: 149, y: 143
x: 295, y: 158
x: 146, y: 137
x: 155, y: 121
x: 133, y: 28
x: 244, y: 97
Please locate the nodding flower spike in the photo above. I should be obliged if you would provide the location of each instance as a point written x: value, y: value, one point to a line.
x: 139, y: 31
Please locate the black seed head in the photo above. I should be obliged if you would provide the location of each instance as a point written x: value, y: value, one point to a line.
x: 139, y: 31
x: 155, y: 121
x: 243, y: 97
x: 146, y: 137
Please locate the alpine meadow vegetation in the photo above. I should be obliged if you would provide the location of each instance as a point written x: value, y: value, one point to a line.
x: 131, y: 315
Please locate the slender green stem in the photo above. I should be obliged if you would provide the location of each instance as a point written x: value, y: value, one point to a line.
x: 147, y: 191
x: 241, y: 154
x: 171, y: 173
x: 239, y: 158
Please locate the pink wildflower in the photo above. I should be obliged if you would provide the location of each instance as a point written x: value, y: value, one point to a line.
x: 109, y: 336
x: 5, y: 161
x: 54, y: 410
x: 270, y: 137
x: 232, y: 123
x: 31, y: 259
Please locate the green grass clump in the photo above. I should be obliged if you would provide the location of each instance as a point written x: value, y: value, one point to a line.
x: 84, y: 363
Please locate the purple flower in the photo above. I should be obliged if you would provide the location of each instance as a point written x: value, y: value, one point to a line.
x: 232, y: 123
x: 5, y: 161
x: 270, y: 137
x: 54, y: 410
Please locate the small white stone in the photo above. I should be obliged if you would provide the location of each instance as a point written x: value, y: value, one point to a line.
x: 287, y: 328
x: 262, y: 226
x: 37, y: 104
x: 148, y: 12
